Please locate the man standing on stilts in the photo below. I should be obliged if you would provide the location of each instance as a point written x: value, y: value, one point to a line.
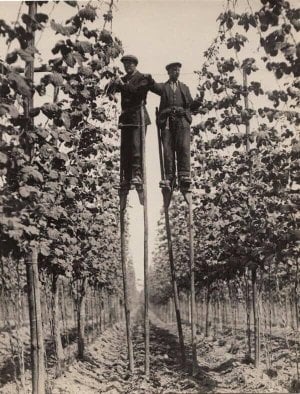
x: 174, y: 119
x: 134, y: 87
x: 133, y: 121
x: 173, y: 126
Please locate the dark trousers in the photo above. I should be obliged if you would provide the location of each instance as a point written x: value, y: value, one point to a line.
x: 131, y: 155
x: 176, y: 140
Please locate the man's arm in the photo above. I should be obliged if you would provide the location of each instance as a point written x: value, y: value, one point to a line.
x: 157, y: 88
x: 112, y: 87
x: 143, y: 85
x: 194, y: 104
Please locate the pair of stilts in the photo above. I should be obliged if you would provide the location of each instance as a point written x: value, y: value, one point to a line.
x: 167, y: 196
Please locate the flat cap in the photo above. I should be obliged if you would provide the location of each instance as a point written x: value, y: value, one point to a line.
x: 132, y: 58
x: 174, y: 64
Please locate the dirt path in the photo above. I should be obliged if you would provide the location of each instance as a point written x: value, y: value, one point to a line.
x: 102, y: 370
x: 105, y: 368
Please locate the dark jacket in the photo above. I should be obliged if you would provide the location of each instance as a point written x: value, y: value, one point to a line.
x: 133, y: 93
x: 164, y: 90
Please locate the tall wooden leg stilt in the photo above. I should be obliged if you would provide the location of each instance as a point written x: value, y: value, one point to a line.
x: 174, y: 282
x: 146, y: 280
x: 187, y: 193
x: 167, y: 195
x: 123, y: 198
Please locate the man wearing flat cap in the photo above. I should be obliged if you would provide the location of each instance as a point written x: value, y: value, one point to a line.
x: 133, y: 87
x: 174, y: 119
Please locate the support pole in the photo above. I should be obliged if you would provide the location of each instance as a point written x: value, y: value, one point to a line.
x: 123, y: 197
x: 35, y: 315
x: 175, y: 288
x: 146, y: 290
x: 166, y: 197
x: 246, y: 101
x: 189, y: 199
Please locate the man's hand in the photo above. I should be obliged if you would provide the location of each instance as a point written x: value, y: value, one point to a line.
x: 118, y: 81
x: 150, y: 80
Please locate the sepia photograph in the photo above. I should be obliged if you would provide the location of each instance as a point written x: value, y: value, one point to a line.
x: 149, y: 196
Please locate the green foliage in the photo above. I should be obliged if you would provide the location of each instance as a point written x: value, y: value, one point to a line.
x: 59, y: 178
x: 245, y: 157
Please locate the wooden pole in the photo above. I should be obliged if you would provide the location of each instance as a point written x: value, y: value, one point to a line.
x: 39, y: 326
x: 123, y: 195
x: 32, y: 320
x: 146, y: 290
x: 36, y: 329
x: 187, y: 194
x: 256, y: 318
x: 246, y: 101
x: 175, y: 287
x: 192, y: 276
x: 170, y: 250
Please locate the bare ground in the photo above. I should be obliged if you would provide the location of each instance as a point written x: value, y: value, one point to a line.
x: 222, y: 366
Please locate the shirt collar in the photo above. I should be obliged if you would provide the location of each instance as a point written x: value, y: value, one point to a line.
x: 129, y: 76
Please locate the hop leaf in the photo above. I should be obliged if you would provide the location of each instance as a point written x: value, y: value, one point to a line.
x: 25, y: 55
x: 45, y: 250
x: 51, y: 110
x: 90, y: 33
x: 64, y: 30
x: 69, y: 59
x: 53, y: 174
x: 88, y: 13
x: 30, y: 171
x: 105, y: 36
x: 25, y: 191
x: 65, y: 117
x: 41, y: 18
x: 56, y: 79
x: 12, y: 57
x: 87, y: 71
x: 19, y: 84
x: 83, y: 46
x: 34, y: 111
x: 9, y: 108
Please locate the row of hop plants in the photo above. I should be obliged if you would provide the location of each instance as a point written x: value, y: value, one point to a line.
x: 245, y: 152
x: 59, y: 160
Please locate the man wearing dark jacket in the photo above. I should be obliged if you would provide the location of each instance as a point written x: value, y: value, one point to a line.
x: 133, y: 87
x: 174, y: 119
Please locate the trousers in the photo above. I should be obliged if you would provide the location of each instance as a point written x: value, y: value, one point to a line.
x: 131, y: 152
x: 177, y: 145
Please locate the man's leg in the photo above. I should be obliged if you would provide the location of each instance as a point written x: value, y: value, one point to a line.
x: 126, y: 154
x: 183, y: 148
x: 169, y: 153
x: 136, y: 146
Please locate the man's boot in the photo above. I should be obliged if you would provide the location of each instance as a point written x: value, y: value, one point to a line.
x: 136, y: 180
x: 185, y: 182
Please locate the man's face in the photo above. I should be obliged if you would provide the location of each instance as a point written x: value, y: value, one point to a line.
x: 129, y: 66
x: 174, y: 73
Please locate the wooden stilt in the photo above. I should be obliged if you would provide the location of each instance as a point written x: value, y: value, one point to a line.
x: 123, y: 197
x: 146, y: 290
x: 167, y: 194
x: 188, y: 197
